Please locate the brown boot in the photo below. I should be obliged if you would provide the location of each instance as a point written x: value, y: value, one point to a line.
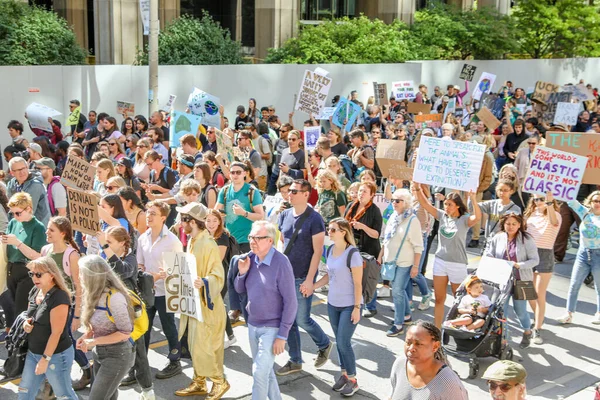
x: 219, y: 388
x: 85, y: 380
x: 197, y: 387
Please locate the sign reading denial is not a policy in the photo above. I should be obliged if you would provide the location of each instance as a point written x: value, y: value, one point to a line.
x: 83, y: 211
x: 182, y: 297
x: 449, y: 163
x: 78, y: 174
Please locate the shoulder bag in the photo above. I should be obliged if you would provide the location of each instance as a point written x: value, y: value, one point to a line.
x: 388, y: 269
x: 303, y: 217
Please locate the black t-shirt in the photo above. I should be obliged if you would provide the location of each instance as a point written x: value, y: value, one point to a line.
x: 240, y: 123
x: 339, y: 149
x: 165, y: 133
x: 166, y: 178
x: 41, y: 327
x: 373, y: 219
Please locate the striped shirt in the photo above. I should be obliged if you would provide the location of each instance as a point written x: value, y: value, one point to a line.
x: 543, y: 232
x: 445, y: 386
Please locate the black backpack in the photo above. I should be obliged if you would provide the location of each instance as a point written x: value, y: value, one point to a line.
x: 371, y: 272
x: 233, y: 249
x: 16, y: 345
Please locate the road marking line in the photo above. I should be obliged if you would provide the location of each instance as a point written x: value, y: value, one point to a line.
x: 158, y: 344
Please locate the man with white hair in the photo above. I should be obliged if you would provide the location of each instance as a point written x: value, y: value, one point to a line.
x: 24, y: 181
x: 448, y: 130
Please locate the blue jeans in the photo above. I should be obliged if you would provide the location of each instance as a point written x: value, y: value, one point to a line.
x: 587, y: 260
x: 167, y: 321
x: 372, y: 305
x: 261, y: 345
x: 520, y: 307
x: 304, y: 321
x: 58, y: 374
x: 343, y: 329
x: 421, y: 284
x: 399, y: 295
x: 80, y: 356
x: 501, y: 161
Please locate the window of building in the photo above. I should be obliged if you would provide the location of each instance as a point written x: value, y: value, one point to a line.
x: 317, y: 10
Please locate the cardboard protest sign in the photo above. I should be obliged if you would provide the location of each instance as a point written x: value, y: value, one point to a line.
x: 313, y: 91
x: 545, y: 112
x: 467, y: 72
x: 206, y: 106
x: 484, y: 85
x: 556, y: 171
x: 416, y: 108
x: 428, y: 121
x: 345, y: 111
x: 380, y: 93
x: 578, y: 92
x: 566, y: 113
x: 390, y: 152
x: 494, y: 103
x: 182, y: 124
x: 83, y: 211
x: 225, y: 145
x: 325, y: 113
x: 404, y: 90
x: 488, y: 119
x: 449, y: 163
x: 38, y: 114
x: 181, y: 296
x: 125, y: 108
x: 311, y: 135
x: 73, y: 118
x: 542, y: 90
x: 78, y: 174
x: 583, y: 144
x: 171, y: 101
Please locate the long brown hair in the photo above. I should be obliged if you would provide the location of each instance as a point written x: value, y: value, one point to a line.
x: 221, y: 229
x: 520, y: 220
x: 64, y: 226
x: 344, y: 226
x: 531, y: 207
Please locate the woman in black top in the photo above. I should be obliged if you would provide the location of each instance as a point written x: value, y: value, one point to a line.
x: 50, y: 353
x: 208, y: 194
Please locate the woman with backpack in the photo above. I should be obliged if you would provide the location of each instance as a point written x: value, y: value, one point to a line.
x: 108, y: 336
x: 228, y: 248
x: 124, y: 168
x: 50, y: 351
x: 208, y: 191
x: 134, y: 209
x: 344, y: 299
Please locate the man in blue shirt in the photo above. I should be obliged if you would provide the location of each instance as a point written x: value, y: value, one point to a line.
x: 304, y: 255
x: 266, y: 276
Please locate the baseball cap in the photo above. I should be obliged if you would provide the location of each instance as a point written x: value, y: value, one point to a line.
x: 240, y: 109
x: 195, y: 210
x: 456, y: 87
x: 126, y: 162
x: 505, y: 371
x: 45, y: 162
x: 35, y: 147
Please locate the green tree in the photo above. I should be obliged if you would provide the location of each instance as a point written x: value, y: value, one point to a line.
x: 34, y: 36
x: 449, y: 33
x: 192, y: 41
x: 349, y: 41
x: 558, y: 28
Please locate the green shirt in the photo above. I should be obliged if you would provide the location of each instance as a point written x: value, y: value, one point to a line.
x: 238, y: 225
x: 32, y: 233
x: 329, y: 203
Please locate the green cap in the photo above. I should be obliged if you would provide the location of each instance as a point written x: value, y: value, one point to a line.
x: 505, y: 371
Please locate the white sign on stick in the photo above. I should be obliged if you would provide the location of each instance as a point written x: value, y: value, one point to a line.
x: 38, y: 114
x: 313, y: 91
x: 404, y: 90
x: 449, y: 163
x: 311, y: 135
x: 484, y: 85
x: 566, y: 113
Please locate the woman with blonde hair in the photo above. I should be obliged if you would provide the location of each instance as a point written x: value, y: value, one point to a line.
x: 140, y: 169
x: 50, y: 350
x: 108, y: 338
x: 333, y: 164
x: 104, y: 171
x: 344, y: 299
x: 114, y: 184
x: 115, y: 150
x: 332, y: 201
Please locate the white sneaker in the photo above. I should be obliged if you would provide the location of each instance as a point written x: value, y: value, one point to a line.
x: 425, y: 302
x: 147, y: 395
x: 384, y: 291
x: 567, y: 319
x: 229, y: 343
x: 596, y: 320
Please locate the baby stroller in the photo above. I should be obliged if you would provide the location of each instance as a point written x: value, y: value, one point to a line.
x: 491, y: 340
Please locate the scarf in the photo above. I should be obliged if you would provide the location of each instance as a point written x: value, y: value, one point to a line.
x: 359, y: 215
x: 397, y: 220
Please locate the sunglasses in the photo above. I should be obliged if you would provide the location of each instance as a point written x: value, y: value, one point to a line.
x: 504, y: 387
x: 111, y: 187
x: 112, y: 144
x: 332, y: 229
x: 128, y: 140
x: 397, y: 201
x: 18, y: 213
x: 142, y: 145
x: 36, y: 274
x: 256, y: 238
x: 296, y: 191
x: 186, y: 218
x: 292, y: 139
x: 530, y: 143
x: 236, y: 172
x: 538, y: 200
x: 593, y: 201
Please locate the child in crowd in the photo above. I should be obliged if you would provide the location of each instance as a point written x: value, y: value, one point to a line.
x: 472, y: 308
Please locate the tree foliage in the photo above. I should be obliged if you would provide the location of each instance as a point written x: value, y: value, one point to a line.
x: 34, y: 36
x: 192, y: 41
x: 348, y: 41
x: 558, y: 28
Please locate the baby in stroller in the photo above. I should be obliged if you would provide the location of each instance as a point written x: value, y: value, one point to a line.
x: 472, y: 308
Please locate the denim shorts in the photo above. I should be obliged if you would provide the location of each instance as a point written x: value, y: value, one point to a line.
x: 546, y: 264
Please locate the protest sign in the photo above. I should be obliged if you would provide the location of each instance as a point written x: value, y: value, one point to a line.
x: 390, y: 153
x: 381, y: 202
x: 428, y: 121
x: 583, y: 144
x: 545, y: 112
x: 181, y: 296
x: 449, y: 163
x: 181, y: 124
x: 225, y: 145
x: 272, y: 204
x: 78, y: 174
x: 467, y: 72
x: 311, y: 135
x: 495, y: 270
x: 578, y: 92
x: 591, y: 105
x: 206, y: 106
x: 345, y: 111
x: 73, y: 118
x: 145, y: 11
x: 325, y: 113
x: 83, y: 211
x: 125, y: 108
x: 450, y: 108
x: 380, y: 93
x: 542, y: 90
x: 171, y: 102
x: 313, y: 91
x: 404, y: 90
x: 488, y: 119
x: 566, y: 113
x: 38, y: 114
x: 556, y: 171
x: 484, y: 85
x: 494, y: 103
x: 416, y: 108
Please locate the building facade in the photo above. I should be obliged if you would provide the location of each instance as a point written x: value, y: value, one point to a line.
x: 112, y: 30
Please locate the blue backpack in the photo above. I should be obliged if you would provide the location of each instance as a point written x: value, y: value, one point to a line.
x: 348, y: 167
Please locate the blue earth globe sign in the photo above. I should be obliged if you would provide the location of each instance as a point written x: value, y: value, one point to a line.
x: 211, y: 108
x: 484, y: 86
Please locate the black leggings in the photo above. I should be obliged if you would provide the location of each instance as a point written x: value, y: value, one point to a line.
x: 19, y: 285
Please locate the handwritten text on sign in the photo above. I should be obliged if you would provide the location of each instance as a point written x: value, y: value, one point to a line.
x: 556, y: 171
x: 83, y: 211
x: 78, y: 174
x: 182, y: 297
x: 583, y: 144
x: 448, y: 163
x: 313, y: 92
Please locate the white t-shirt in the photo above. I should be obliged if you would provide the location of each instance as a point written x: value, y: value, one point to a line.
x: 468, y: 301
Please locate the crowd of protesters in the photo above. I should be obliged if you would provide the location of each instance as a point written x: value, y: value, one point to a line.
x: 268, y: 229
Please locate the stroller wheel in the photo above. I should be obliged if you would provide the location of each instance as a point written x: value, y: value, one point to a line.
x: 507, y: 353
x: 473, y: 368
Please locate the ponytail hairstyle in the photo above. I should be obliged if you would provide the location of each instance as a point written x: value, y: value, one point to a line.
x: 64, y: 226
x: 121, y: 235
x: 436, y: 336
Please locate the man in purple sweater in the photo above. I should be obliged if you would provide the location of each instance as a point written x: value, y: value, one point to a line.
x: 267, y: 277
